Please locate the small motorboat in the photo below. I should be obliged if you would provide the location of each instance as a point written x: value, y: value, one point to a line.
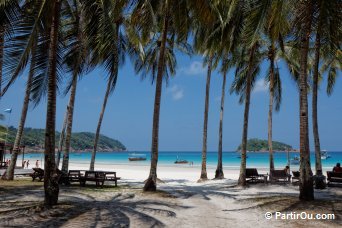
x: 137, y: 157
x: 325, y: 155
x: 180, y: 161
x: 295, y: 160
x: 239, y: 156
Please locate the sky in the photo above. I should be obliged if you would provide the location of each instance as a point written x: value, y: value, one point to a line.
x: 129, y: 112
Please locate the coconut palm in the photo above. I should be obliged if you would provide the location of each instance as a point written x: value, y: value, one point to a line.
x: 327, y: 33
x: 18, y: 138
x: 107, y: 44
x: 162, y: 18
x: 9, y: 14
x: 247, y: 70
x: 304, y: 17
x: 75, y: 60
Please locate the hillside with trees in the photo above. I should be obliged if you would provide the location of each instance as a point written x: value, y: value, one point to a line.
x: 33, y: 139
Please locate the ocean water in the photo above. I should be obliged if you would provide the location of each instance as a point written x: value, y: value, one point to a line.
x: 230, y: 159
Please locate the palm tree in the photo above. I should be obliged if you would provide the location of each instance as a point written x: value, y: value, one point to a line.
x: 161, y: 17
x: 17, y: 141
x: 304, y: 13
x: 246, y: 72
x: 62, y: 138
x: 219, y: 171
x: 9, y: 13
x: 107, y: 45
x: 75, y: 61
x: 327, y: 30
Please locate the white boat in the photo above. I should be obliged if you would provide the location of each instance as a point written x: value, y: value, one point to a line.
x: 324, y: 155
x: 137, y: 157
x: 295, y: 160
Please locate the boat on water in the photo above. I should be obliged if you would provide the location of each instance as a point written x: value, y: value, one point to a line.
x: 137, y: 157
x: 325, y: 155
x: 239, y: 156
x: 295, y: 160
x: 180, y: 161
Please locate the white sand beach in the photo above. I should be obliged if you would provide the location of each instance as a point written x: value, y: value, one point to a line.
x: 179, y: 202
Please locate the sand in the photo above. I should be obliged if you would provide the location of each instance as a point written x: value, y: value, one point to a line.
x: 179, y: 202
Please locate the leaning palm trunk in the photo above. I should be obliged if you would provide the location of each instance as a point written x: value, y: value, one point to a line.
x: 205, y: 124
x: 50, y: 177
x: 270, y: 110
x: 151, y: 182
x: 65, y: 164
x: 1, y: 56
x: 219, y: 171
x: 61, y: 137
x: 318, y: 163
x: 17, y: 141
x: 97, y: 135
x: 242, y: 176
x: 306, y: 181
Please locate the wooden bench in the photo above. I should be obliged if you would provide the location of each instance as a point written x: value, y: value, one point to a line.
x: 111, y: 176
x: 37, y: 173
x: 279, y: 176
x: 252, y: 175
x: 334, y: 177
x: 94, y: 176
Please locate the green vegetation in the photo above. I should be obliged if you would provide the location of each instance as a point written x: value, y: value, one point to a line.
x: 262, y: 145
x: 33, y: 139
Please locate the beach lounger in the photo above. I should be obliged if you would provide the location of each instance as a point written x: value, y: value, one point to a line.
x: 252, y: 175
x: 279, y: 176
x: 295, y: 177
x: 37, y: 173
x: 334, y: 177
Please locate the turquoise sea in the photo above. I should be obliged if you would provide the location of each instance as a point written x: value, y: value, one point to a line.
x: 230, y: 159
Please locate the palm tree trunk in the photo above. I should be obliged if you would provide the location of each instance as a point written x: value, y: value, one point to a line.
x: 97, y: 135
x: 50, y: 177
x: 242, y: 176
x: 204, y: 175
x: 65, y: 164
x: 17, y: 141
x: 270, y: 110
x: 61, y: 137
x: 219, y: 171
x: 306, y: 181
x: 2, y: 44
x: 151, y: 182
x: 318, y: 163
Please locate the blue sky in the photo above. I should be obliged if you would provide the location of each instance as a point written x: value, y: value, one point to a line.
x: 128, y: 116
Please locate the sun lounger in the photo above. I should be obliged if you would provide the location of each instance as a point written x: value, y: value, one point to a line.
x: 279, y: 176
x: 252, y: 175
x: 295, y: 177
x: 334, y: 177
x: 37, y: 173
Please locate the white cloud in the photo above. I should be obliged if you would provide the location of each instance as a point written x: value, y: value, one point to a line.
x: 260, y: 86
x: 195, y: 68
x: 176, y: 92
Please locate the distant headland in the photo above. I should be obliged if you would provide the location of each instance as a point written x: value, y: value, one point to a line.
x: 33, y: 139
x: 260, y: 145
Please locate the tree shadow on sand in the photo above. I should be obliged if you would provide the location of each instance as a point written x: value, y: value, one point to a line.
x: 77, y: 209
